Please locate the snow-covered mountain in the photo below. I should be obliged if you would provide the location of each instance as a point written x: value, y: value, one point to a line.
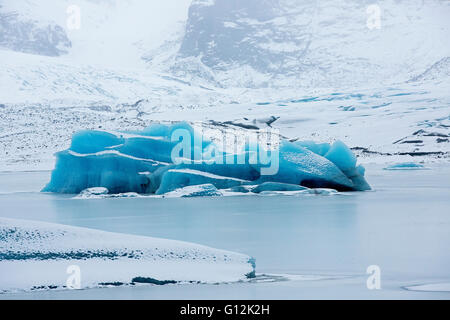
x: 99, y: 59
x: 30, y: 36
x: 313, y: 65
x: 327, y: 43
x: 293, y: 44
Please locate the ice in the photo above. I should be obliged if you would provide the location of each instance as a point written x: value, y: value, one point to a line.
x: 203, y: 190
x: 341, y: 156
x: 276, y: 186
x: 240, y: 189
x: 320, y: 191
x: 102, y: 193
x: 405, y: 166
x: 96, y: 191
x: 338, y: 230
x: 46, y: 250
x: 316, y: 192
x: 301, y: 166
x: 164, y: 158
x: 319, y: 148
x: 178, y: 178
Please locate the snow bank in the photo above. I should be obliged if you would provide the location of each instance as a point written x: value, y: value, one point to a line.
x: 152, y: 162
x: 36, y: 255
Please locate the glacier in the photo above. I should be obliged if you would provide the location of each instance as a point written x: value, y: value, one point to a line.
x: 151, y: 161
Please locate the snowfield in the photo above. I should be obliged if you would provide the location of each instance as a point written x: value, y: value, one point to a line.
x: 399, y: 123
x: 35, y: 255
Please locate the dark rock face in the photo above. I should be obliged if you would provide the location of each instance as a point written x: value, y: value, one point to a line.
x: 29, y: 36
x: 229, y: 33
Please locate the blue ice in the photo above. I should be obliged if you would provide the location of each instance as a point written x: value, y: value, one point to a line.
x: 151, y: 161
x: 405, y: 166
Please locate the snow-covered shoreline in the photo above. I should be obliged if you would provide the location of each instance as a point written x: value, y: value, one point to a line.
x: 36, y: 254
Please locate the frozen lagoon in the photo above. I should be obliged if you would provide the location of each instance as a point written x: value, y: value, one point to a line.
x: 403, y: 226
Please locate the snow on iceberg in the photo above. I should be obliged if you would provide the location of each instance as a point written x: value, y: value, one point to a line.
x: 315, y: 192
x: 164, y: 158
x: 202, y: 190
x: 37, y: 255
x: 276, y: 186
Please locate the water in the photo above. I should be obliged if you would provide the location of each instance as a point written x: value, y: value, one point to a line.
x: 403, y: 226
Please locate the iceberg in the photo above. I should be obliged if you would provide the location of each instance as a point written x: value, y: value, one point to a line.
x: 305, y: 192
x: 405, y: 166
x: 202, y: 190
x: 38, y: 255
x: 301, y: 166
x: 163, y: 158
x: 93, y: 192
x: 179, y: 178
x: 102, y: 193
x: 276, y: 186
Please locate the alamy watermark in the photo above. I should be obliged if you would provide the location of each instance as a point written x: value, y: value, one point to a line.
x: 73, y: 282
x: 373, y: 17
x: 258, y: 148
x: 73, y: 21
x: 374, y: 280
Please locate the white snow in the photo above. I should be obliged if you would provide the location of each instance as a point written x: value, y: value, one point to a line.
x: 37, y: 254
x: 117, y: 153
x: 206, y: 174
x: 193, y: 191
x: 103, y: 193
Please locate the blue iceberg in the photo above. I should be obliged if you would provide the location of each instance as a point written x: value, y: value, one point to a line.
x: 164, y: 158
x: 277, y: 186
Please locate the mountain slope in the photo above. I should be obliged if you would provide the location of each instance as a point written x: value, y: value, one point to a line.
x: 297, y: 43
x: 291, y: 44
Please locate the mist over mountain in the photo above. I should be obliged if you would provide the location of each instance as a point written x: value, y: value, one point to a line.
x: 218, y: 44
x: 30, y: 36
x: 312, y: 43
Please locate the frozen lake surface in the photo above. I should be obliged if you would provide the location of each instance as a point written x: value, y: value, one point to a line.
x: 403, y: 226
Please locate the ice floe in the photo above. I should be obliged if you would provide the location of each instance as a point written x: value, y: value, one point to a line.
x: 406, y: 166
x: 36, y: 255
x: 202, y: 190
x: 101, y: 193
